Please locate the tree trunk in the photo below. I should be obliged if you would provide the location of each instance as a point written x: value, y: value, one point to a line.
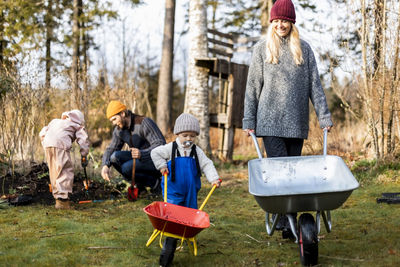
x: 196, y: 99
x: 367, y: 87
x: 393, y: 98
x: 49, y: 39
x: 124, y: 56
x: 380, y: 18
x: 379, y: 25
x: 2, y: 41
x: 85, y: 74
x: 165, y: 81
x: 265, y: 6
x: 75, y: 101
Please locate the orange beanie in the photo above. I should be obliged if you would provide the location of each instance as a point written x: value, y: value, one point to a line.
x: 114, y: 108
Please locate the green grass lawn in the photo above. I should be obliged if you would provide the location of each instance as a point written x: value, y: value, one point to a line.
x: 114, y: 233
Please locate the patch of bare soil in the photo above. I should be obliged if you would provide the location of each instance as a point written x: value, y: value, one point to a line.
x: 33, y: 187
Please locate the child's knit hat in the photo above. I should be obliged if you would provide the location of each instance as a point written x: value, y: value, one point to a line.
x: 186, y: 123
x: 75, y: 116
x: 283, y: 9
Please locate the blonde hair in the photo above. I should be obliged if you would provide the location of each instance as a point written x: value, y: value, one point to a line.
x: 274, y: 43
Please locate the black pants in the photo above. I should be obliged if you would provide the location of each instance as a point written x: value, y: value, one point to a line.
x: 145, y: 172
x: 282, y: 147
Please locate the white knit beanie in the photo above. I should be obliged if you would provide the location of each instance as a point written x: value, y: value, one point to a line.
x: 186, y: 123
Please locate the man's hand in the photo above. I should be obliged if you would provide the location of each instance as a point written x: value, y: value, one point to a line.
x: 105, y: 173
x: 135, y: 153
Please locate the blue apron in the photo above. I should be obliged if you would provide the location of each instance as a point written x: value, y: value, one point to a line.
x: 183, y: 190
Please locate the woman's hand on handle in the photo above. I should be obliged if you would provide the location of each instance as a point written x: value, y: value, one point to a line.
x: 248, y: 131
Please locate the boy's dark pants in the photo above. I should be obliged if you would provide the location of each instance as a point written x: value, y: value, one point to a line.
x: 168, y: 251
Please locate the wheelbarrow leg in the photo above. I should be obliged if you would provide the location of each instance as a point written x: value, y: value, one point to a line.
x: 275, y: 219
x: 192, y: 244
x: 327, y: 220
x: 152, y: 237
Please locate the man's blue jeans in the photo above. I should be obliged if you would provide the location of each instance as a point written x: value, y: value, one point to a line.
x: 146, y: 174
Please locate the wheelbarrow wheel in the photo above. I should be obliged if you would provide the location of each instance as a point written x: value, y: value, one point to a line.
x: 308, y: 240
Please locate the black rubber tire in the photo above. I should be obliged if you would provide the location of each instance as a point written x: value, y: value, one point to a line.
x: 308, y: 240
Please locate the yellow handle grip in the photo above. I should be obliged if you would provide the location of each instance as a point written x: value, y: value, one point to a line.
x: 208, y: 196
x: 165, y: 186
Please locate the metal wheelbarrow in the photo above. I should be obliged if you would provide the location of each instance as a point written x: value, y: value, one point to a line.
x: 177, y: 221
x: 286, y: 185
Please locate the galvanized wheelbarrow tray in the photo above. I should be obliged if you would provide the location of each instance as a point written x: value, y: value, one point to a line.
x: 286, y: 185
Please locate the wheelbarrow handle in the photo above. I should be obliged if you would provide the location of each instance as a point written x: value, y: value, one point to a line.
x: 253, y: 136
x: 165, y: 186
x: 208, y: 196
x: 205, y: 200
x: 325, y: 141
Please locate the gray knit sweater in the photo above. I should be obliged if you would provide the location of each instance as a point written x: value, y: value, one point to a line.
x: 277, y: 95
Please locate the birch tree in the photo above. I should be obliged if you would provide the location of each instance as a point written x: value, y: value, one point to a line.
x: 196, y: 99
x: 380, y: 71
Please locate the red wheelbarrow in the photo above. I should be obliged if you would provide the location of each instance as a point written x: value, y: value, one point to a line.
x: 177, y: 221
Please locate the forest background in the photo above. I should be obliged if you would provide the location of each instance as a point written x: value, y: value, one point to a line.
x: 52, y: 59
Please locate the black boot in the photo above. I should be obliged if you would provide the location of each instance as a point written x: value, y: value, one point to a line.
x: 287, y: 230
x: 168, y: 251
x: 156, y: 188
x: 282, y: 222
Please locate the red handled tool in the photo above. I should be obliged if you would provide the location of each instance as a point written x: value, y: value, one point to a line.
x: 90, y: 201
x: 133, y: 190
x: 86, y: 181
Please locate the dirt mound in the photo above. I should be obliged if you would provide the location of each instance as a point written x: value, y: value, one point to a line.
x: 34, y: 186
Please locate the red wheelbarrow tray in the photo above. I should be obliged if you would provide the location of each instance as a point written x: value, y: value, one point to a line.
x: 177, y: 220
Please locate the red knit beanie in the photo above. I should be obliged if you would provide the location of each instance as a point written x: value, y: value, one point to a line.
x: 283, y: 9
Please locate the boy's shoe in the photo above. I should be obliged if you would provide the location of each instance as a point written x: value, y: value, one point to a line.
x: 142, y: 192
x: 287, y: 230
x: 168, y: 251
x: 288, y: 234
x: 63, y: 204
x: 282, y: 222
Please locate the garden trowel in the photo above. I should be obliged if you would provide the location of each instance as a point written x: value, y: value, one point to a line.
x: 133, y: 190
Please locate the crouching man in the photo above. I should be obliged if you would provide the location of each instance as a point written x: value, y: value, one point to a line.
x: 142, y: 135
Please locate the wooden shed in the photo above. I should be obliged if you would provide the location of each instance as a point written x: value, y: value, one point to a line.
x: 232, y: 78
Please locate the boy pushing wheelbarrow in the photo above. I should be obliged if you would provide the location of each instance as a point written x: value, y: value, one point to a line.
x: 183, y: 161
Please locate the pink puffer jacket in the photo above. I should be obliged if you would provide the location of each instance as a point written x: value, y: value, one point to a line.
x: 61, y: 133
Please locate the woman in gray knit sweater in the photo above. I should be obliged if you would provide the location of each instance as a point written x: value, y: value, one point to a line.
x: 282, y: 77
